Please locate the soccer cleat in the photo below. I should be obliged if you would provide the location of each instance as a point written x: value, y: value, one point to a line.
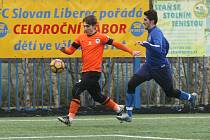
x: 121, y: 110
x: 193, y: 100
x: 65, y: 120
x: 124, y: 117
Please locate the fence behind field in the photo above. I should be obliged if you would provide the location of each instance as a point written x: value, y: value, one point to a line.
x: 30, y: 84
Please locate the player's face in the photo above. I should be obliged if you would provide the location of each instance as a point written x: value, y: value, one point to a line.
x: 89, y: 29
x: 147, y: 23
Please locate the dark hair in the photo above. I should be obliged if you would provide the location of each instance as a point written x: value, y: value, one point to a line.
x: 90, y: 19
x: 151, y: 15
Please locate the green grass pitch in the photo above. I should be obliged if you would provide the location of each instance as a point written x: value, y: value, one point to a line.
x: 106, y: 127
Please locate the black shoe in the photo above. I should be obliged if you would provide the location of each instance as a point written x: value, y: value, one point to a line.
x: 65, y: 120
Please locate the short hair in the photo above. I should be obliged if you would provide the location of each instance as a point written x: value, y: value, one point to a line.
x: 151, y: 15
x: 90, y: 19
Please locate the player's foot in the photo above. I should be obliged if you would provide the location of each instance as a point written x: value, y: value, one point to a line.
x: 65, y: 120
x: 124, y: 117
x: 193, y: 100
x: 121, y: 110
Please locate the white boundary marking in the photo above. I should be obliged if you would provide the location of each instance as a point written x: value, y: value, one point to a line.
x: 92, y: 136
x: 100, y: 119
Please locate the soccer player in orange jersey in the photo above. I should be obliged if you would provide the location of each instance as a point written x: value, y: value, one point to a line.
x: 92, y: 46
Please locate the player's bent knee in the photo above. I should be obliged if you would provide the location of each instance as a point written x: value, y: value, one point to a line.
x: 99, y: 98
x: 169, y: 94
x: 77, y: 90
x: 131, y: 87
x: 172, y: 94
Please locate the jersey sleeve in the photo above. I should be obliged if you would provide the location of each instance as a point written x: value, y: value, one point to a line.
x: 76, y: 43
x: 74, y: 46
x: 106, y: 39
x: 69, y: 50
x: 156, y: 44
x: 122, y: 47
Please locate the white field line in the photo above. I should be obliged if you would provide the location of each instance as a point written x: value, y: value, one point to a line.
x: 92, y: 136
x: 100, y: 119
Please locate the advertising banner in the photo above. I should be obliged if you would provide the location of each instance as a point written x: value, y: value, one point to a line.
x: 36, y: 28
x: 186, y: 25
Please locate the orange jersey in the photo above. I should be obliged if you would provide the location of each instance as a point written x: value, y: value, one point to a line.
x: 92, y: 50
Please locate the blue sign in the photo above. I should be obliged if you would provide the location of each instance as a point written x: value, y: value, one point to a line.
x: 3, y: 29
x: 137, y: 28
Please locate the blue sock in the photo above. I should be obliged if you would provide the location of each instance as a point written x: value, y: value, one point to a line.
x: 129, y: 103
x: 184, y: 95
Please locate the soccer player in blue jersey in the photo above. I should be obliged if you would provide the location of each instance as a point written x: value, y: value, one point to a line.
x: 156, y: 67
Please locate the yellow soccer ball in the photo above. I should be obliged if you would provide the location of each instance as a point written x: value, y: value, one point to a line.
x: 57, y: 65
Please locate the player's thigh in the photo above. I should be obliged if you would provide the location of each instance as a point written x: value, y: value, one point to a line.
x: 77, y: 90
x: 143, y: 73
x: 90, y: 79
x: 163, y: 77
x: 92, y: 85
x: 135, y: 81
x: 95, y: 93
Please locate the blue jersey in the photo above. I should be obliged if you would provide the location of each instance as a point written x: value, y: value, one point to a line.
x: 156, y: 48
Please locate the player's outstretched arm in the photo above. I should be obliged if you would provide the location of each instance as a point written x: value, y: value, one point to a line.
x: 67, y: 50
x: 139, y: 43
x: 125, y: 48
x: 155, y: 47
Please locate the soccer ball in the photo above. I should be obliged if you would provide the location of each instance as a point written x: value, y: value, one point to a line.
x: 57, y: 65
